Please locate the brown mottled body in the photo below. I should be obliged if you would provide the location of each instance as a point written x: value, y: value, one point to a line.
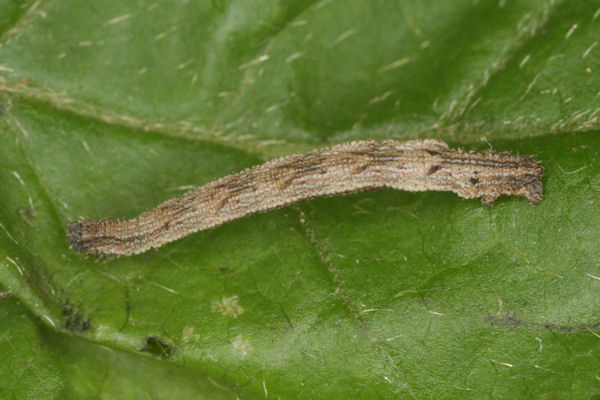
x: 346, y: 168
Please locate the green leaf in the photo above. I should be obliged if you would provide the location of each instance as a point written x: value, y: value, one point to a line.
x: 109, y: 109
x: 41, y: 363
x: 28, y: 369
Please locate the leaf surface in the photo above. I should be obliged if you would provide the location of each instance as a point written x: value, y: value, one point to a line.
x: 106, y: 111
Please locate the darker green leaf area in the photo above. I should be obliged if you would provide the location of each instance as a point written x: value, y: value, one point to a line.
x: 41, y: 363
x: 109, y: 111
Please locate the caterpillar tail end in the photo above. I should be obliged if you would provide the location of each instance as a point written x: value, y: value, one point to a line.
x: 81, y: 235
x: 97, y: 238
x: 75, y: 237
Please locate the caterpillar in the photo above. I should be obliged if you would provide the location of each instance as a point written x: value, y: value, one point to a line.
x: 415, y: 166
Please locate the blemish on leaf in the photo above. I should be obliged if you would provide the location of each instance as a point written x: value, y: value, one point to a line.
x: 228, y: 306
x: 102, y: 331
x: 188, y: 334
x: 75, y: 321
x: 157, y: 347
x: 241, y: 345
